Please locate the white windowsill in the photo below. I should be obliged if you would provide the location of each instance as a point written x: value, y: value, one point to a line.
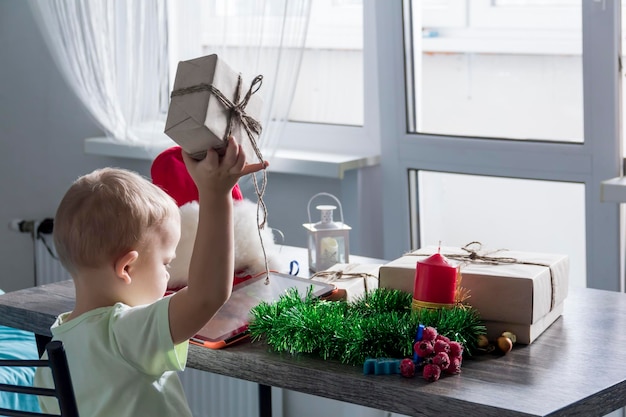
x: 318, y: 164
x: 614, y: 190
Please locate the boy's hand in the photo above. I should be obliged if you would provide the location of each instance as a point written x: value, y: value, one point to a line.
x: 220, y: 174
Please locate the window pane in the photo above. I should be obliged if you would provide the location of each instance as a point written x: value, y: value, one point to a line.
x: 330, y: 85
x: 623, y: 71
x: 515, y: 214
x: 511, y: 70
x: 330, y: 88
x: 330, y: 81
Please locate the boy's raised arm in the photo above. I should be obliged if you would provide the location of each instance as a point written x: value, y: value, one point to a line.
x: 211, y: 269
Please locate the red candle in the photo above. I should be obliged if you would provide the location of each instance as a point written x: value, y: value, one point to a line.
x: 435, y: 283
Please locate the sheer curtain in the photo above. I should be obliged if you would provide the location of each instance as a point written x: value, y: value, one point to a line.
x: 254, y: 37
x: 120, y: 56
x: 114, y: 56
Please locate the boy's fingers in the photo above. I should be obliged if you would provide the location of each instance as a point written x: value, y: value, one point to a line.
x: 211, y: 158
x: 250, y: 168
x: 240, y: 162
x: 186, y: 158
x: 232, y: 151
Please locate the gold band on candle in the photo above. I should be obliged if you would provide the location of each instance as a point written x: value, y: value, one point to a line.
x: 417, y: 304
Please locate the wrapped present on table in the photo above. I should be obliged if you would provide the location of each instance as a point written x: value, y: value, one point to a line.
x: 356, y: 279
x: 514, y: 291
x: 210, y: 102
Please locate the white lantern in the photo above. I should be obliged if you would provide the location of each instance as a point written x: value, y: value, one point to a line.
x: 328, y: 241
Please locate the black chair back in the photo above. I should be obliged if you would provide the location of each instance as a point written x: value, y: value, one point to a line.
x: 63, y: 389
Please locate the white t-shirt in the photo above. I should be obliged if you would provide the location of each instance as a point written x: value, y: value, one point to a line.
x: 122, y: 362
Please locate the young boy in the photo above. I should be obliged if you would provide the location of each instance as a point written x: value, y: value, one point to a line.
x: 116, y: 233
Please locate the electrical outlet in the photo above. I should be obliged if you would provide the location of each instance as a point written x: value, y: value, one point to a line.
x: 22, y: 226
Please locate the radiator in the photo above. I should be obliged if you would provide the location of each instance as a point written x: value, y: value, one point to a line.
x: 48, y: 268
x: 217, y: 395
x: 208, y: 394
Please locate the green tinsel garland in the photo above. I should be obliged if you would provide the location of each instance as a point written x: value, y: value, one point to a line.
x: 379, y: 324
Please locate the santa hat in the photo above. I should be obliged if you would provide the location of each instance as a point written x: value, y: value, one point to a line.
x: 169, y: 172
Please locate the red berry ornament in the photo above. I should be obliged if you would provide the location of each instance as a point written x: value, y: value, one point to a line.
x: 407, y: 368
x: 442, y: 360
x: 437, y: 354
x: 454, y: 367
x: 431, y: 372
x: 456, y: 349
x: 423, y: 348
x: 441, y: 346
x: 429, y: 333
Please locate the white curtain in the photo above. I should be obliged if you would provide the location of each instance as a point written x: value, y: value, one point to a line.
x: 114, y: 56
x: 120, y: 56
x: 254, y: 37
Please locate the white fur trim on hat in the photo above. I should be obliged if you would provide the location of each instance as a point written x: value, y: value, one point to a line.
x: 249, y: 258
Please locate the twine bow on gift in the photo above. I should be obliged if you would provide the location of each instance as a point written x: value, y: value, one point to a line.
x: 474, y: 256
x: 237, y: 114
x: 237, y: 108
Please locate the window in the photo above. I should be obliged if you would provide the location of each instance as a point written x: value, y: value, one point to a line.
x: 623, y: 71
x: 511, y: 118
x: 332, y: 110
x: 330, y: 85
x: 505, y: 69
x: 330, y: 81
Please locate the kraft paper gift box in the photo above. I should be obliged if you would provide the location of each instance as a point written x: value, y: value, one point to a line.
x: 197, y: 119
x: 355, y: 279
x: 524, y: 297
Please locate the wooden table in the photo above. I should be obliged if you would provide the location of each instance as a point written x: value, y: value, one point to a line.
x: 577, y: 367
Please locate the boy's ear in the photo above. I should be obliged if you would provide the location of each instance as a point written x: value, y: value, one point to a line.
x: 123, y: 263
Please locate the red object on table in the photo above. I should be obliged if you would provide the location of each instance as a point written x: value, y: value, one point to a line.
x: 435, y: 283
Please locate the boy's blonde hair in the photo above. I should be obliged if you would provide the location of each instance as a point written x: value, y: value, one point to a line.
x: 105, y: 214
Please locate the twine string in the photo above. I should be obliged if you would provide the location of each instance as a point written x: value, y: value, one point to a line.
x: 237, y: 114
x: 331, y: 276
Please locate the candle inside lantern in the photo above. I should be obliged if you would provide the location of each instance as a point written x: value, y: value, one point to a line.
x: 435, y: 283
x: 330, y: 250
